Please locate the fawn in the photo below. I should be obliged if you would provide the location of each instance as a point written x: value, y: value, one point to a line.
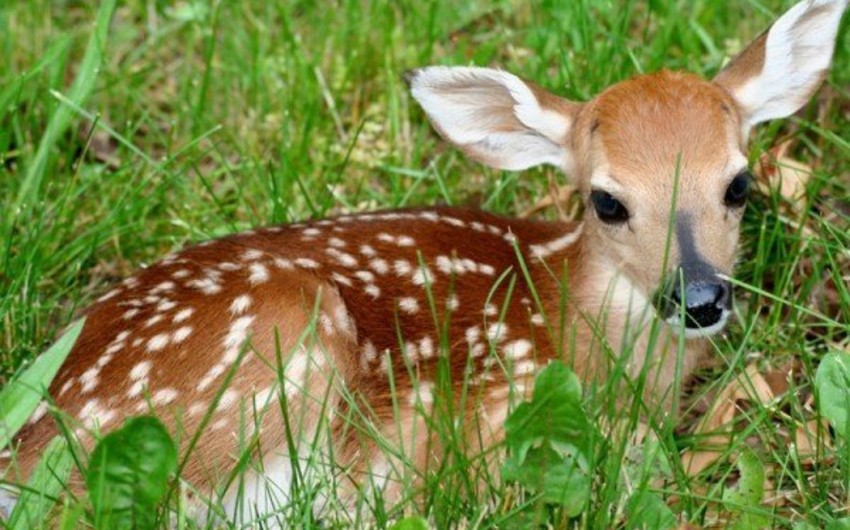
x: 350, y: 310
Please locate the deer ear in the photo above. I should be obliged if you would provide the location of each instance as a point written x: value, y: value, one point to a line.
x: 778, y: 73
x: 496, y: 117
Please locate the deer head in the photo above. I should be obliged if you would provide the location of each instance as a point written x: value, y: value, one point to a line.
x: 660, y: 159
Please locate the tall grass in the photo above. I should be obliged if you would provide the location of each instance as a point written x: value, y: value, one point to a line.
x: 123, y: 137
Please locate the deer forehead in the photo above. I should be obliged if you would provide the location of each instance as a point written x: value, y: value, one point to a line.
x: 642, y: 128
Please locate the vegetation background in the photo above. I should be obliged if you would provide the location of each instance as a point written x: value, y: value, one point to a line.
x: 203, y: 118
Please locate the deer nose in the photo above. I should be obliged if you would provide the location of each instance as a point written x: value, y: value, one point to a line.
x: 705, y: 302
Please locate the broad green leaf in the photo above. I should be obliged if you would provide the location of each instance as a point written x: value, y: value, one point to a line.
x: 748, y: 493
x: 129, y: 473
x: 21, y: 396
x: 832, y: 381
x: 557, y: 477
x: 411, y: 523
x: 648, y: 512
x: 554, y: 413
x: 46, y: 482
x: 839, y: 524
x: 645, y: 463
x: 550, y: 441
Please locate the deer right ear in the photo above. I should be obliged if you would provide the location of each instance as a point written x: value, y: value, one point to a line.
x: 778, y: 73
x: 496, y: 117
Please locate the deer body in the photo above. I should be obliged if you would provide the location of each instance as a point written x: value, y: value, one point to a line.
x: 323, y: 318
x: 376, y: 288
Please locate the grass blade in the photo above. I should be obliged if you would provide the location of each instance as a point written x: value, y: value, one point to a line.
x: 22, y: 395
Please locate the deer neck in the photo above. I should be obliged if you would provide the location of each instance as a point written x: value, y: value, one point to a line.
x: 610, y: 321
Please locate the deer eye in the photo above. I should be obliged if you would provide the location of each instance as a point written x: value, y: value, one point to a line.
x: 609, y: 209
x: 736, y: 192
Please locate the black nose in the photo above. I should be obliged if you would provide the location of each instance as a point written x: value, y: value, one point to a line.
x: 704, y: 302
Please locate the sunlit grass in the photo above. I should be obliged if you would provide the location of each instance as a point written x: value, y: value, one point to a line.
x: 204, y: 118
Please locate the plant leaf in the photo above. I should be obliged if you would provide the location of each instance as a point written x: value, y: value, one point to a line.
x: 832, y: 381
x: 22, y: 395
x: 411, y: 523
x: 550, y: 440
x: 647, y: 511
x: 748, y: 493
x: 129, y: 473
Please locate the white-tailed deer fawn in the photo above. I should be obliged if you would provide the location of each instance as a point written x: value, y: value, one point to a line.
x: 359, y: 310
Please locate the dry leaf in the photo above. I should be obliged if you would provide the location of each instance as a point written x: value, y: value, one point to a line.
x: 775, y: 169
x: 750, y: 386
x: 559, y: 198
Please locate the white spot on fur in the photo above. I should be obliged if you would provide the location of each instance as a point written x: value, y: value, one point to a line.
x: 517, y: 349
x: 368, y: 251
x: 259, y: 274
x: 343, y: 258
x: 452, y: 302
x: 181, y: 334
x: 340, y: 279
x: 284, y: 264
x: 162, y: 287
x: 158, y: 342
x: 165, y: 305
x: 153, y: 320
x: 365, y: 276
x: 182, y: 315
x: 229, y: 266
x: 228, y: 399
x: 111, y: 294
x: 423, y: 275
x: 537, y: 319
x: 409, y: 305
x: 307, y: 263
x: 379, y: 265
x: 426, y: 347
x: 454, y: 221
x: 240, y: 304
x: 251, y: 255
x: 525, y: 367
x: 372, y: 290
x: 89, y: 380
x: 422, y: 393
x: 402, y: 267
x: 180, y: 274
x: 39, y: 412
x: 488, y: 270
x: 208, y: 286
x: 140, y: 370
x: 164, y: 396
x: 130, y: 313
x: 497, y: 332
x: 336, y: 242
x: 556, y: 245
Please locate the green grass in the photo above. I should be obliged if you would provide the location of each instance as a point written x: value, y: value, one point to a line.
x: 198, y: 119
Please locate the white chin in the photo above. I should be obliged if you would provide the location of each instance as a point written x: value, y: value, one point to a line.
x: 675, y: 322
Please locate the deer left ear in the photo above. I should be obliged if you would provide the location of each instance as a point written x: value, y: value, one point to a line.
x: 778, y: 73
x: 496, y: 117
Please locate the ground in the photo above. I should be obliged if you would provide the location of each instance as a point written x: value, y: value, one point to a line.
x: 205, y: 118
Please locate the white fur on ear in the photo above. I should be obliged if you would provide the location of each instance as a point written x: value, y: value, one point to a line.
x: 797, y: 52
x: 492, y: 115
